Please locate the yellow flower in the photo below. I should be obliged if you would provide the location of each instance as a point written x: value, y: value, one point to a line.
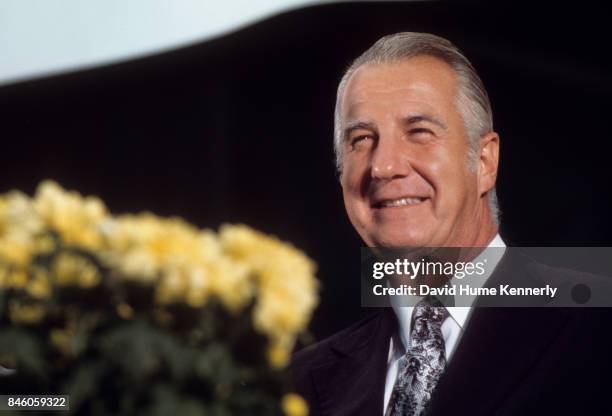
x: 43, y: 244
x: 172, y: 287
x: 229, y: 281
x: 125, y: 311
x: 278, y: 355
x: 284, y: 279
x: 294, y: 405
x: 16, y: 251
x: 76, y: 219
x: 24, y: 313
x: 186, y: 264
x: 16, y: 279
x: 197, y: 286
x: 61, y: 338
x: 183, y: 263
x: 40, y: 286
x: 74, y: 270
x: 17, y: 211
x: 3, y: 275
x: 141, y: 245
x: 19, y: 223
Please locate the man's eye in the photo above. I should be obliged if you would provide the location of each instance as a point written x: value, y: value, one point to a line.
x: 420, y: 130
x: 360, y: 140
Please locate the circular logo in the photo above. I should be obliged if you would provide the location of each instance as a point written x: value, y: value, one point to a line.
x: 581, y: 293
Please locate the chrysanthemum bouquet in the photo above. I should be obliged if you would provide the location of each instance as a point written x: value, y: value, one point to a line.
x: 137, y: 314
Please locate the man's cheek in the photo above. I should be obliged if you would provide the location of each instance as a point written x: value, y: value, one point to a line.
x: 350, y: 182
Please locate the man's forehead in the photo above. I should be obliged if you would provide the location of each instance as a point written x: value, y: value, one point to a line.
x: 415, y: 84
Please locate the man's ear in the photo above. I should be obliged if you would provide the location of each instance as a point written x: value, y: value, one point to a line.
x: 488, y: 162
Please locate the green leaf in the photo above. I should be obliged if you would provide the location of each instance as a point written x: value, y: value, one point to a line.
x: 26, y: 350
x: 214, y: 362
x: 136, y: 348
x: 167, y: 401
x: 82, y: 384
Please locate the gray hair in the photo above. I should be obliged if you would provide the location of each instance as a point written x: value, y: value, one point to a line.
x: 472, y: 100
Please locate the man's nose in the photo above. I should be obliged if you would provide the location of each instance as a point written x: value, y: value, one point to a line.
x: 389, y: 159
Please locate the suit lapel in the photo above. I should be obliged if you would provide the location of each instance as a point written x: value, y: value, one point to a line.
x: 498, y: 349
x: 354, y: 383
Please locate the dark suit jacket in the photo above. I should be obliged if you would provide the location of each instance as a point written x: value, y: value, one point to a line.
x: 509, y: 361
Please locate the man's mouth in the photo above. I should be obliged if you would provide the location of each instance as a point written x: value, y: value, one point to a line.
x: 400, y: 202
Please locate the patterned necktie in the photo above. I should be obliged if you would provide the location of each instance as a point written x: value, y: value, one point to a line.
x: 422, y: 365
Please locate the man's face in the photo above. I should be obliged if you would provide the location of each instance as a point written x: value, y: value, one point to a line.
x: 406, y: 180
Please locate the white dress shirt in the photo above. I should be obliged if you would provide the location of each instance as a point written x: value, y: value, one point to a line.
x: 452, y: 327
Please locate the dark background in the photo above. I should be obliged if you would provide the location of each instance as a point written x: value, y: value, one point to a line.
x: 239, y: 128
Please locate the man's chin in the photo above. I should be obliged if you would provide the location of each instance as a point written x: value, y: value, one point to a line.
x: 402, y: 232
x: 402, y: 241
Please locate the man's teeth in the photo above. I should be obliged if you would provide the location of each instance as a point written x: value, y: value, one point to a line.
x: 401, y: 202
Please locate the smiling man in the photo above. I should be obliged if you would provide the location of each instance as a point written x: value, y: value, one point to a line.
x: 418, y: 159
x: 410, y: 174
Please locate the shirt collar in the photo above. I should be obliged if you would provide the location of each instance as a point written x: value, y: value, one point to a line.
x: 458, y: 313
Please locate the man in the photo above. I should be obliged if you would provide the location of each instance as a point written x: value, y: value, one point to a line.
x: 418, y: 161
